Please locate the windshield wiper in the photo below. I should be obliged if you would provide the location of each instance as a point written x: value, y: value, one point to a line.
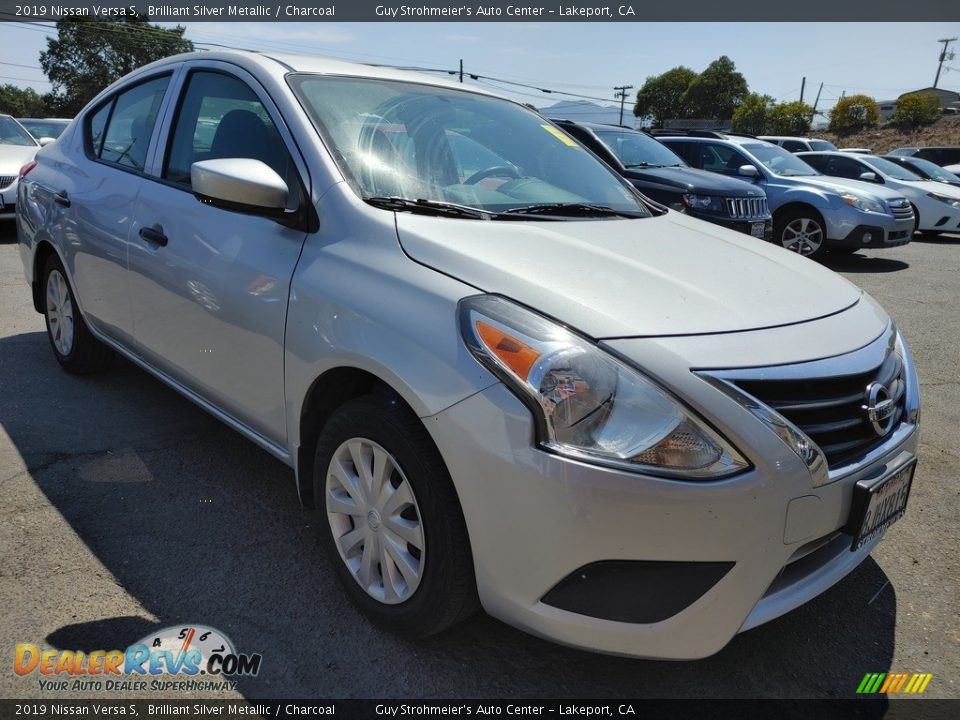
x: 569, y: 210
x: 646, y: 165
x: 429, y: 207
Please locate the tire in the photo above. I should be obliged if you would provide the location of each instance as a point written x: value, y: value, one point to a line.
x: 74, y: 346
x: 802, y: 231
x: 916, y: 218
x: 439, y: 589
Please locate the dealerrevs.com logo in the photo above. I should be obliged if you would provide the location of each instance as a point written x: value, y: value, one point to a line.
x: 186, y: 658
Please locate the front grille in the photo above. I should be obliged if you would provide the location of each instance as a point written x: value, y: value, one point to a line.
x: 748, y: 208
x: 902, y: 212
x: 6, y: 181
x: 831, y: 410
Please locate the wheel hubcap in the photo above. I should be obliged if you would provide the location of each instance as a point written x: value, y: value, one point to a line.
x: 375, y: 520
x: 803, y: 235
x: 59, y: 312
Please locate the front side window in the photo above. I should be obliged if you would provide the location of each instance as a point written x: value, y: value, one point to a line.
x: 12, y: 133
x: 794, y: 146
x: 120, y: 131
x: 779, y: 161
x: 418, y: 142
x: 635, y: 149
x: 822, y: 145
x: 723, y: 159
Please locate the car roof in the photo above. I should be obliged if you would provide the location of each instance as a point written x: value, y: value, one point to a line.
x: 280, y: 64
x: 732, y: 139
x: 596, y: 127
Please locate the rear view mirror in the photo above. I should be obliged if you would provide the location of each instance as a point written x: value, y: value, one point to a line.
x: 869, y: 177
x: 748, y: 171
x: 240, y: 184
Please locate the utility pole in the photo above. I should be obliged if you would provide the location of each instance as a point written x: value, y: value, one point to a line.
x: 620, y: 92
x: 943, y: 56
x: 803, y: 85
x: 461, y: 69
x: 815, y: 103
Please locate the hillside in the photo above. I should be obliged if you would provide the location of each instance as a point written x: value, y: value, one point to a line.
x: 945, y: 131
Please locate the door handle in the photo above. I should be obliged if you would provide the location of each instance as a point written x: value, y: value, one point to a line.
x: 61, y: 199
x: 154, y: 235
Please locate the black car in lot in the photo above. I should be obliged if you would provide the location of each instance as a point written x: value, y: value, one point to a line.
x: 660, y: 174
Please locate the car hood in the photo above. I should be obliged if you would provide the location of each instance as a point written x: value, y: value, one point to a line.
x: 837, y: 184
x: 14, y: 157
x: 932, y: 186
x: 659, y: 276
x: 699, y: 181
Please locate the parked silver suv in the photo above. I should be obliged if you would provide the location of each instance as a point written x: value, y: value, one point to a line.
x: 498, y: 374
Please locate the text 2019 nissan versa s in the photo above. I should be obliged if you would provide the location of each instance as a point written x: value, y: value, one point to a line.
x: 499, y: 376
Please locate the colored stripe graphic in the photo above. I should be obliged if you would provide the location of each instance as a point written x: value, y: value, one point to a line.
x: 893, y: 683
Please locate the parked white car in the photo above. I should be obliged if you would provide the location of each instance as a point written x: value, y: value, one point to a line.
x: 798, y: 144
x: 17, y: 148
x: 935, y: 205
x: 499, y: 373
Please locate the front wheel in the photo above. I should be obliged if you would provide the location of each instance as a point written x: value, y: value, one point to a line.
x: 390, y: 520
x: 801, y: 231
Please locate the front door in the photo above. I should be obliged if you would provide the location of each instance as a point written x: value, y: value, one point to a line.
x: 209, y: 286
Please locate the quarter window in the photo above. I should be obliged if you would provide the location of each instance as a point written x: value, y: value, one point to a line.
x: 119, y: 132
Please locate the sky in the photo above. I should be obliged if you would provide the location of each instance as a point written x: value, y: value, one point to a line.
x: 879, y: 59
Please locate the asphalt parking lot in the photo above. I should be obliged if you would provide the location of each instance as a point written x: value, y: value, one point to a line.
x: 124, y: 508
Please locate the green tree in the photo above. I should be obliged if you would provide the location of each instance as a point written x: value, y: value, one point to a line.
x: 717, y: 91
x: 790, y: 118
x: 853, y: 113
x: 917, y: 110
x: 21, y: 102
x: 751, y: 116
x: 88, y: 55
x: 661, y: 96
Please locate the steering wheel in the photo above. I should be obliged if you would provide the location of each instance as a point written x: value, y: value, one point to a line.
x: 494, y: 171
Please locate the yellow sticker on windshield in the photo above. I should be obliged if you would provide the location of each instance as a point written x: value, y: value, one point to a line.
x: 560, y: 135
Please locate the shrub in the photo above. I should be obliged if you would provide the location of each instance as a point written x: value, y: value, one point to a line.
x: 917, y: 110
x: 790, y: 118
x: 853, y: 113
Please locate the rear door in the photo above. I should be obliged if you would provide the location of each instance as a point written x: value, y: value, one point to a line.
x: 209, y: 286
x: 97, y: 200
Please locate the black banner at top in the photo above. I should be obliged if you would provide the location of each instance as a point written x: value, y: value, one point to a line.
x: 486, y: 10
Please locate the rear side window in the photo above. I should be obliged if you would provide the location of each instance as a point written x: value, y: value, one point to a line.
x: 689, y: 151
x: 794, y: 146
x: 221, y: 117
x: 119, y: 132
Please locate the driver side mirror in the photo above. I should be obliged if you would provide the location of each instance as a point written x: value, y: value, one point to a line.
x: 240, y: 184
x: 870, y: 177
x: 748, y: 171
x: 44, y: 141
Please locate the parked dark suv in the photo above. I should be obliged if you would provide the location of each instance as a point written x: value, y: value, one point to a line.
x: 942, y: 156
x: 662, y: 175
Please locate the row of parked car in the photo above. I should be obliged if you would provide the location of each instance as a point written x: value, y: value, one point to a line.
x: 802, y: 193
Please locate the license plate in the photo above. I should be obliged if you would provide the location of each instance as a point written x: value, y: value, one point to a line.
x: 877, y: 504
x: 757, y: 229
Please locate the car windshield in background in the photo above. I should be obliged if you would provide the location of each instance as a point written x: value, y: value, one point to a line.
x: 11, y: 133
x: 44, y: 128
x: 779, y: 161
x: 931, y: 169
x: 635, y: 149
x: 434, y: 145
x: 897, y: 172
x: 822, y: 145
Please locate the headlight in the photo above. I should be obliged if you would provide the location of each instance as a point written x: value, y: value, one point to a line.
x: 862, y: 202
x: 953, y: 202
x: 702, y: 202
x: 586, y: 403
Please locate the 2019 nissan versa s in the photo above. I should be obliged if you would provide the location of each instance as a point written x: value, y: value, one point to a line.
x: 497, y: 374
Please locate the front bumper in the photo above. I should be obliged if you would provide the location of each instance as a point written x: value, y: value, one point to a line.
x: 872, y: 236
x: 8, y: 201
x: 744, y: 226
x: 847, y: 227
x: 765, y: 540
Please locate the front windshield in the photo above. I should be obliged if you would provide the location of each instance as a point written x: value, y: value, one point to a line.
x: 779, y: 161
x: 891, y: 169
x: 425, y: 143
x: 822, y: 145
x: 635, y: 149
x: 932, y: 170
x: 11, y: 133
